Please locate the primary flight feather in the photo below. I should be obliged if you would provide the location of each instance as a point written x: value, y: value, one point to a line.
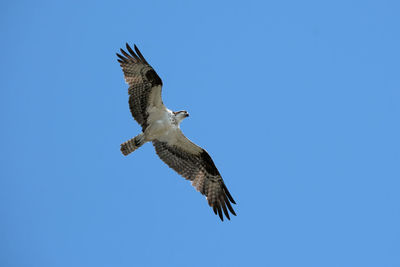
x: 161, y: 126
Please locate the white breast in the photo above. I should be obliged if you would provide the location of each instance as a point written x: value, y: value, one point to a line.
x: 161, y: 125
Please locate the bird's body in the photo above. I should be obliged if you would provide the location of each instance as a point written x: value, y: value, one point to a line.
x: 161, y: 126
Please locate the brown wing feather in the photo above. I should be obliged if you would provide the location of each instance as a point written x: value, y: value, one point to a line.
x: 201, y: 170
x: 142, y: 80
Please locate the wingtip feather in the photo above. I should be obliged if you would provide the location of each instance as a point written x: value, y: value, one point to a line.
x: 140, y: 54
x: 225, y: 211
x: 126, y: 54
x: 219, y: 211
x: 121, y: 57
x: 228, y: 204
x: 130, y: 50
x: 228, y: 194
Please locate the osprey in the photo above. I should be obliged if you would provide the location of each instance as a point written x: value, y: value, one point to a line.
x: 161, y: 126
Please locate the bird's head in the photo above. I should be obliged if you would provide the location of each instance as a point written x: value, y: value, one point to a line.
x: 180, y: 115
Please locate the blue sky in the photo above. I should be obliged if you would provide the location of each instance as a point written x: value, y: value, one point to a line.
x: 297, y: 102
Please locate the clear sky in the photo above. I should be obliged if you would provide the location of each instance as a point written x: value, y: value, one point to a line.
x: 297, y: 102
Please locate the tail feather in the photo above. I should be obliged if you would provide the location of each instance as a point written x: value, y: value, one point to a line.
x: 132, y: 144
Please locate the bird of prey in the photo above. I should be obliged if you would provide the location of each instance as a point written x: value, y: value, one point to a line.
x: 161, y: 126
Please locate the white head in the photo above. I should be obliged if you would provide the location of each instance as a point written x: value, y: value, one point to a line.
x: 180, y: 115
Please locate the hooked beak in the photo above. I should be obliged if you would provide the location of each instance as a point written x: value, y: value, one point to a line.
x: 187, y: 114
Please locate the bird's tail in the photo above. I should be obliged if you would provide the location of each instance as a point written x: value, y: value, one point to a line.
x: 132, y: 144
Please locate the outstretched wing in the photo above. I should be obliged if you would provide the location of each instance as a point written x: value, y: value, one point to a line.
x: 196, y: 165
x: 144, y: 84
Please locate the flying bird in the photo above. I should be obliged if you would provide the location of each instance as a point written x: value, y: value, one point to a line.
x: 161, y: 126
